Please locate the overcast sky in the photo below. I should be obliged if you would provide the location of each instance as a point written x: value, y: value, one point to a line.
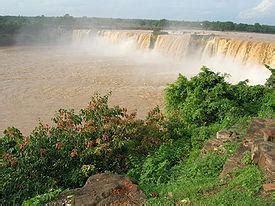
x: 249, y: 11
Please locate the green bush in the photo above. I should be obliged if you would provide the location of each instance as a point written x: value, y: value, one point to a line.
x: 156, y: 169
x: 100, y: 138
x: 207, y: 103
x: 191, y: 179
x: 196, y: 181
x: 42, y: 199
x: 248, y: 179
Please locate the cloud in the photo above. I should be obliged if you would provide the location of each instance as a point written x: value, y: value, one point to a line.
x: 264, y: 9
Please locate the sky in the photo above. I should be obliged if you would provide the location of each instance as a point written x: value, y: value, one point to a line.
x: 246, y: 11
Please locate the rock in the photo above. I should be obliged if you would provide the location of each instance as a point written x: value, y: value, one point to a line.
x: 226, y: 135
x: 103, y: 189
x: 211, y: 145
x: 261, y: 134
x: 269, y: 134
x: 170, y: 194
x: 217, y: 143
x: 269, y: 187
x: 259, y: 141
x: 262, y: 128
x: 233, y: 162
x: 184, y: 202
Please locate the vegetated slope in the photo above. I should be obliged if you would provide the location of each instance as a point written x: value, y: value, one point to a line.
x: 197, y: 109
x: 161, y: 152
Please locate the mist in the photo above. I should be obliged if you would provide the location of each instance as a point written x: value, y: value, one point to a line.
x: 190, y: 65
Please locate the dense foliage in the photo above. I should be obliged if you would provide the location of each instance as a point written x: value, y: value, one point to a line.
x: 162, y: 152
x: 207, y: 103
x: 230, y: 26
x: 26, y: 30
x: 100, y: 138
x: 42, y: 29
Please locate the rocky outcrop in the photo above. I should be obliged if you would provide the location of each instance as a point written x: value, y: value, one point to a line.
x: 103, y: 189
x: 217, y: 143
x: 233, y: 162
x: 259, y: 142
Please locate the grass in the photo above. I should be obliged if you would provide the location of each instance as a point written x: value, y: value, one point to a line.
x: 196, y: 181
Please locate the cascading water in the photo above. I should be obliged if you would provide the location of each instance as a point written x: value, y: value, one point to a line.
x: 81, y: 35
x: 176, y: 46
x: 180, y: 46
x: 246, y: 51
x: 140, y: 39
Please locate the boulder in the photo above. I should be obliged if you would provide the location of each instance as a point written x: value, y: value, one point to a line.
x: 264, y: 128
x: 103, y: 189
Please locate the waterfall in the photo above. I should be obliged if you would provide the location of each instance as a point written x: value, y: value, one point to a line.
x: 81, y: 35
x: 141, y: 39
x: 176, y: 46
x: 245, y: 50
x: 190, y: 44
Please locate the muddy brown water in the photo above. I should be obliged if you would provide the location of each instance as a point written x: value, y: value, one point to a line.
x: 37, y: 81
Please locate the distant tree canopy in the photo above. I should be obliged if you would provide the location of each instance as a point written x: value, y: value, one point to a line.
x: 33, y: 28
x: 230, y: 26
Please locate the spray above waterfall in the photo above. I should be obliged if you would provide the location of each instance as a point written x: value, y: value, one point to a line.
x: 242, y: 59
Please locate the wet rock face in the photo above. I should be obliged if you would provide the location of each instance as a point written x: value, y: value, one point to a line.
x: 103, y: 189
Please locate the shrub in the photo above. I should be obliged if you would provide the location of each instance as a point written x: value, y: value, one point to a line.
x: 100, y: 138
x: 42, y: 199
x: 207, y: 103
x: 248, y: 179
x: 241, y: 189
x: 156, y: 169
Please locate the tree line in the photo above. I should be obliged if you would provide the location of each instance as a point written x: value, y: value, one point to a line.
x: 230, y: 26
x: 47, y: 29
